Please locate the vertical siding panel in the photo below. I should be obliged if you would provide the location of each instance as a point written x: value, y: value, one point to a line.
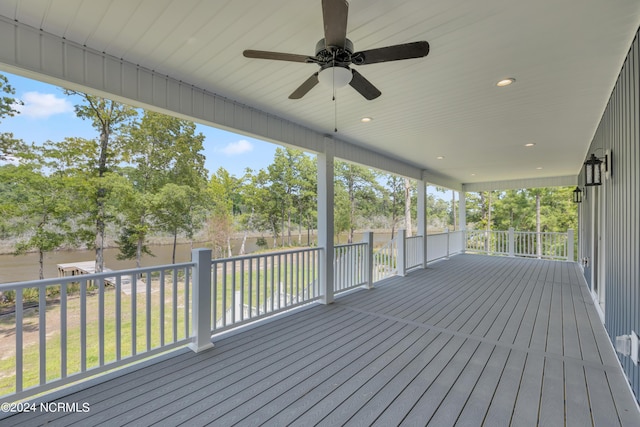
x: 623, y: 119
x: 619, y: 131
x: 634, y: 155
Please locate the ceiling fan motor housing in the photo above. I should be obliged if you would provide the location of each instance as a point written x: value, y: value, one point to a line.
x: 325, y: 54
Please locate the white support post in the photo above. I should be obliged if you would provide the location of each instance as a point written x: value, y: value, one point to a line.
x: 422, y: 218
x: 201, y: 300
x: 512, y: 242
x: 462, y: 218
x: 446, y: 230
x: 402, y: 241
x: 368, y: 239
x: 570, y: 242
x: 325, y: 220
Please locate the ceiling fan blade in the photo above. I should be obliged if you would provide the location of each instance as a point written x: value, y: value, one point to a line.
x: 278, y: 56
x: 334, y: 15
x: 305, y: 87
x: 364, y: 86
x: 391, y: 53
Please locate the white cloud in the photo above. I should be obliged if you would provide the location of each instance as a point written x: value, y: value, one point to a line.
x: 238, y: 147
x: 43, y: 105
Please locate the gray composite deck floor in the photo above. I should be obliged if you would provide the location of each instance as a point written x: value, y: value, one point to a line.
x: 470, y: 341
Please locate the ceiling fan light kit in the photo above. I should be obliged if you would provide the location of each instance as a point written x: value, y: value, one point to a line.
x: 335, y: 77
x: 335, y: 53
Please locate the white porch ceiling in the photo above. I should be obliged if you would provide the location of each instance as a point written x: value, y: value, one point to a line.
x: 564, y: 54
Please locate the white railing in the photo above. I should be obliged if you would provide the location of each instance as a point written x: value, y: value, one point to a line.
x: 65, y: 329
x: 456, y: 242
x: 489, y: 242
x: 251, y: 287
x: 444, y: 245
x: 544, y: 245
x: 350, y: 266
x: 541, y: 245
x: 437, y: 246
x: 385, y: 261
x: 414, y: 249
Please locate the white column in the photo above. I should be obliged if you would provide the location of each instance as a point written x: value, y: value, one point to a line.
x: 401, y: 264
x: 367, y: 238
x: 462, y: 217
x: 201, y: 300
x: 325, y: 220
x: 512, y: 242
x: 462, y: 210
x: 446, y: 231
x: 421, y: 188
x: 570, y: 237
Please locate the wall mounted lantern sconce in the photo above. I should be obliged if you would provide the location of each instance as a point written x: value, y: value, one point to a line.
x: 577, y: 195
x: 593, y: 169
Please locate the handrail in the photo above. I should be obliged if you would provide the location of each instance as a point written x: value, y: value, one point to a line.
x: 92, y: 323
x: 543, y: 245
x: 414, y: 249
x: 385, y: 262
x: 350, y: 266
x: 251, y: 287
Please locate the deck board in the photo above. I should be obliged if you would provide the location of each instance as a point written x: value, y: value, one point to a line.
x: 474, y: 340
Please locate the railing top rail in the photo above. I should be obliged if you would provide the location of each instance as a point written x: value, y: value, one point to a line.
x: 266, y: 254
x: 91, y: 276
x: 516, y: 232
x: 345, y: 245
x: 560, y: 233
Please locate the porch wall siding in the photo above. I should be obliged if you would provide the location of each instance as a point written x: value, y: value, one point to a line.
x: 619, y: 132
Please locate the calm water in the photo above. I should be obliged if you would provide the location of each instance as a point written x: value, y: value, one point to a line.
x: 25, y: 267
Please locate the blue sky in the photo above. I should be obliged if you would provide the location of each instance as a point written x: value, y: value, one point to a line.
x: 48, y: 114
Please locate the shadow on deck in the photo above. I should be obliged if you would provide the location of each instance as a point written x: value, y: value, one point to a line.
x: 471, y: 341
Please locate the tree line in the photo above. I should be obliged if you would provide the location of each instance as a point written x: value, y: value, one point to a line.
x: 144, y: 174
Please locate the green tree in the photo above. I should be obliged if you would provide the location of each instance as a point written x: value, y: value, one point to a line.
x: 395, y: 197
x: 162, y: 150
x: 92, y: 197
x: 39, y: 210
x: 108, y: 118
x: 307, y: 197
x: 178, y: 208
x: 223, y: 189
x: 362, y: 190
x: 518, y: 209
x: 259, y: 193
x: 286, y: 184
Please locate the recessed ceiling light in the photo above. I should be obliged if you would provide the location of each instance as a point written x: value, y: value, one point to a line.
x: 366, y: 119
x: 473, y: 174
x: 440, y: 157
x: 539, y: 168
x: 531, y: 144
x: 505, y: 82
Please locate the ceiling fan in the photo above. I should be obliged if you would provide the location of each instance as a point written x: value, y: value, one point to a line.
x: 334, y: 54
